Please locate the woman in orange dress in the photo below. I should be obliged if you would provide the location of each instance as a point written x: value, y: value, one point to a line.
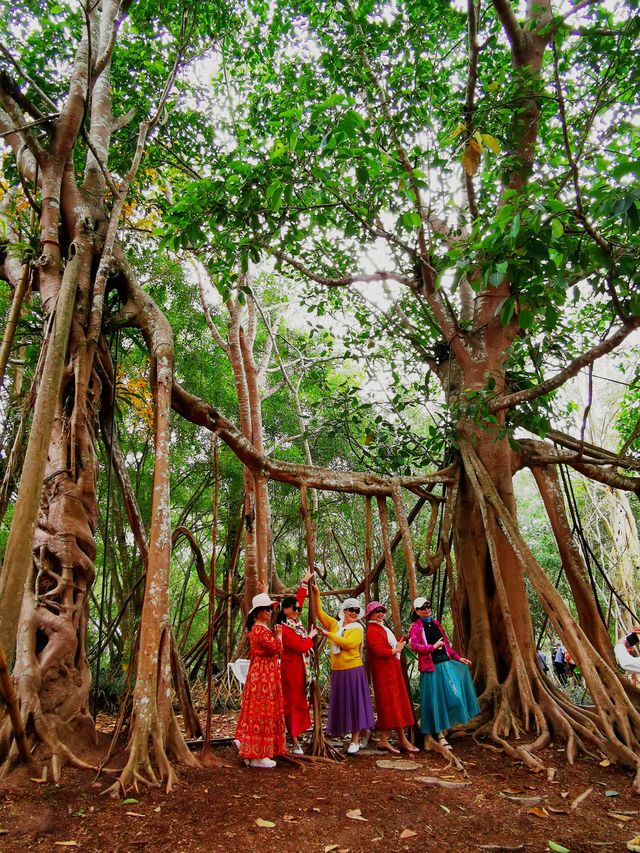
x: 260, y: 730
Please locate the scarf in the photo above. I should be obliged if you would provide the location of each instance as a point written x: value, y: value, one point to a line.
x: 335, y: 650
x: 391, y: 637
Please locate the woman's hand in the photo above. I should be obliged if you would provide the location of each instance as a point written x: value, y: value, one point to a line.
x: 261, y: 587
x: 306, y: 577
x: 323, y: 630
x: 465, y: 660
x: 313, y: 632
x: 277, y: 629
x: 399, y: 646
x: 439, y: 644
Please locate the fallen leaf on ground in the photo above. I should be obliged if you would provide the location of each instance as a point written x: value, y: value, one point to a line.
x: 551, y: 774
x: 524, y: 801
x: 356, y: 814
x: 583, y: 796
x: 605, y: 762
x: 129, y: 801
x: 134, y: 814
x: 623, y: 818
x: 329, y: 847
x: 445, y: 809
x: 396, y: 764
x: 512, y: 791
x: 267, y: 824
x: 538, y: 812
x: 557, y: 848
x: 288, y: 817
x: 556, y: 811
x: 611, y: 793
x: 440, y: 783
x: 408, y: 833
x: 65, y: 844
x: 564, y: 794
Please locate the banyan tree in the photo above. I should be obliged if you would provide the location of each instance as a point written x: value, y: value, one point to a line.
x: 455, y: 178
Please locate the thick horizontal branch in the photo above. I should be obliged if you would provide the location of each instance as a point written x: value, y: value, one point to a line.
x: 592, y: 452
x: 345, y: 281
x: 536, y: 453
x: 199, y: 412
x: 571, y: 370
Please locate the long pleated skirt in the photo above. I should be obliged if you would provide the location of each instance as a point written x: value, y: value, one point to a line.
x: 349, y: 702
x: 447, y: 697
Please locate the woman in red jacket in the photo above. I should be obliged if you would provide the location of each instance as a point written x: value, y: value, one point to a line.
x: 393, y: 705
x: 297, y: 644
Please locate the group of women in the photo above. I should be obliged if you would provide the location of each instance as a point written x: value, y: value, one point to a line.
x: 274, y: 699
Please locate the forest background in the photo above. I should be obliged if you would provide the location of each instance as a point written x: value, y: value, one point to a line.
x: 361, y: 251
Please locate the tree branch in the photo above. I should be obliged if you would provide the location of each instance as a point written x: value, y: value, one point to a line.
x: 584, y: 360
x: 345, y: 281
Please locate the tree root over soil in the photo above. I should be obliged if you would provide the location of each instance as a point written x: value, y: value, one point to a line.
x: 612, y: 726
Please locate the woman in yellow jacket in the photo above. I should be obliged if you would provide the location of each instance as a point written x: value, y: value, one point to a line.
x: 350, y: 708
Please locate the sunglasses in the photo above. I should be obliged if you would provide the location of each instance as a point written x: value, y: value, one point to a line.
x: 352, y: 609
x: 424, y: 607
x: 296, y: 609
x: 380, y: 610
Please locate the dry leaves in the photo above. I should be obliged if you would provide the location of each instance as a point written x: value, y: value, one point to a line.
x: 408, y: 833
x: 605, y: 762
x: 396, y: 764
x: 538, y: 811
x: 471, y: 157
x: 329, y: 847
x: 524, y: 801
x: 356, y: 814
x: 580, y: 798
x: 440, y: 783
x: 623, y: 818
x: 266, y: 824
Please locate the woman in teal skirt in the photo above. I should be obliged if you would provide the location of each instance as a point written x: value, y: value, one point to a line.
x: 447, y: 694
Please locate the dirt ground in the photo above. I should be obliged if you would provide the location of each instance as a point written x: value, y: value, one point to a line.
x: 307, y: 808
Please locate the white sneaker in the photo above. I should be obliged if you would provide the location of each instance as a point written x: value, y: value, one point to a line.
x: 297, y: 750
x: 353, y: 748
x: 264, y: 763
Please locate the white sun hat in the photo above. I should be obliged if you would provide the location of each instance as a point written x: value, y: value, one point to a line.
x: 420, y: 602
x: 348, y: 603
x: 262, y: 600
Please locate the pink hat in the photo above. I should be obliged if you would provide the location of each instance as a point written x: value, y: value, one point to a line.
x: 374, y: 605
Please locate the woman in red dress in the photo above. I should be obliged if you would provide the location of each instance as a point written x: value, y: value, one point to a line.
x: 297, y: 644
x: 393, y: 705
x: 260, y: 730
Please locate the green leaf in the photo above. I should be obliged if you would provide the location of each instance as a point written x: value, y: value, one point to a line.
x: 557, y: 228
x: 557, y: 848
x: 130, y: 801
x: 525, y: 318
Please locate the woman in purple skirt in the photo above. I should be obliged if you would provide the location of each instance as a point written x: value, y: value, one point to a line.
x: 350, y: 708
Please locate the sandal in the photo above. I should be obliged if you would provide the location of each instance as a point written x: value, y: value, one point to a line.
x: 444, y: 742
x: 388, y: 748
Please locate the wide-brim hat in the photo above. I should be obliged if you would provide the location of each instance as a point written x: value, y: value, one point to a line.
x: 262, y: 600
x: 374, y: 605
x: 348, y: 603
